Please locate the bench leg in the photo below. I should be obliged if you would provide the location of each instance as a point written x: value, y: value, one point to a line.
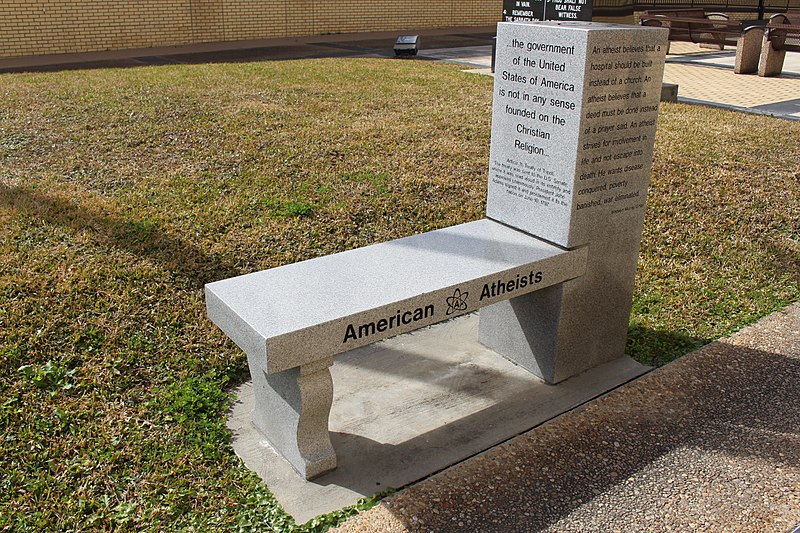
x: 524, y: 330
x: 563, y: 330
x: 771, y: 62
x: 712, y: 46
x: 292, y: 410
x: 748, y: 50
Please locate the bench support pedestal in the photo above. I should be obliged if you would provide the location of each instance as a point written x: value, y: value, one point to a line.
x: 292, y: 409
x: 566, y: 329
x: 748, y: 51
x: 771, y: 62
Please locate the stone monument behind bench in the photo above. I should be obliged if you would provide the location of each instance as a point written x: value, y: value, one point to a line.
x: 573, y: 127
x: 551, y: 268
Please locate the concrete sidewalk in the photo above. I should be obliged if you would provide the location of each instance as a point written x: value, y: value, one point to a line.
x: 710, y: 442
x: 367, y: 44
x: 703, y: 76
x: 707, y: 77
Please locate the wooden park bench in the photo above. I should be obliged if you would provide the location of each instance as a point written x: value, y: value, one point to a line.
x: 694, y: 25
x: 292, y: 320
x: 782, y: 34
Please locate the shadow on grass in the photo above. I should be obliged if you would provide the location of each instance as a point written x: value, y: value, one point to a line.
x: 139, y: 237
x: 657, y: 347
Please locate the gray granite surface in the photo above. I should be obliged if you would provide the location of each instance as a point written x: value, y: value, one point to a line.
x: 554, y: 310
x: 598, y: 87
x: 707, y: 443
x: 299, y: 313
x: 573, y: 126
x: 291, y: 410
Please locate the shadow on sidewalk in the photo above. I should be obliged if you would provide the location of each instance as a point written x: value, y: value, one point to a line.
x: 723, y: 401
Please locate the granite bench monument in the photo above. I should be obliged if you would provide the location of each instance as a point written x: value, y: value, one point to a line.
x: 551, y: 267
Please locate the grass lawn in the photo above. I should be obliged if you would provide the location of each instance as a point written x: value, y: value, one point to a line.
x: 123, y: 191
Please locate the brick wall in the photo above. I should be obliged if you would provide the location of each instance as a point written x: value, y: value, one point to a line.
x: 35, y: 27
x: 31, y: 27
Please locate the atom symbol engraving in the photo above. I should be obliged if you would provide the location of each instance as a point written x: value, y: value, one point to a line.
x: 457, y: 302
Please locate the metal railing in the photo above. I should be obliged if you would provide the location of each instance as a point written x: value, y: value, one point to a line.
x: 628, y: 7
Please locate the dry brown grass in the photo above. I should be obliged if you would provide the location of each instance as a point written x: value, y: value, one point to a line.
x: 123, y: 191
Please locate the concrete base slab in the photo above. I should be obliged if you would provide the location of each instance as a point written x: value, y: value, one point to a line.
x: 412, y: 405
x: 474, y: 56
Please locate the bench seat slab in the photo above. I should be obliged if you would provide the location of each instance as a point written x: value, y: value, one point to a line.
x: 296, y: 314
x: 291, y: 320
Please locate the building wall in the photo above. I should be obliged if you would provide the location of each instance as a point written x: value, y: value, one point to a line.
x: 35, y: 27
x: 31, y: 27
